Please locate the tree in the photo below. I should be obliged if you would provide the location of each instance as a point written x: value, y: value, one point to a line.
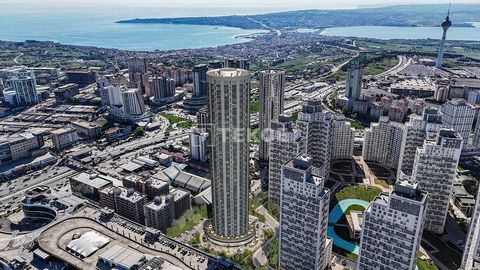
x: 139, y: 131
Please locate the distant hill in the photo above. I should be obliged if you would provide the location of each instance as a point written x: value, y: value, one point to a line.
x: 403, y: 15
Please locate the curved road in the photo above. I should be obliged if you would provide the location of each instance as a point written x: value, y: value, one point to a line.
x: 259, y: 258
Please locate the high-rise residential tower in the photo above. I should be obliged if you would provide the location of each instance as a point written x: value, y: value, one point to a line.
x: 383, y: 142
x: 138, y: 72
x: 445, y: 25
x: 343, y: 138
x: 133, y: 104
x: 198, y: 99
x: 162, y: 88
x: 416, y: 130
x: 303, y: 217
x: 229, y: 118
x: 271, y: 98
x: 200, y: 80
x: 285, y: 144
x: 198, y: 145
x: 353, y: 87
x: 471, y: 253
x: 434, y: 169
x: 315, y: 127
x: 25, y: 87
x: 392, y: 229
x: 459, y: 116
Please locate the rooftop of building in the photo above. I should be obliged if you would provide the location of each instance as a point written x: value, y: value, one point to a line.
x: 160, y: 202
x: 85, y: 124
x: 122, y: 256
x: 228, y: 72
x: 179, y: 193
x: 416, y: 84
x: 93, y: 180
x: 127, y: 194
x: 407, y: 188
x: 185, y: 180
x: 466, y: 82
x: 63, y: 130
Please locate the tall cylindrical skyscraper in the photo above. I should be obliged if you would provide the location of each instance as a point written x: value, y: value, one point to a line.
x: 229, y: 117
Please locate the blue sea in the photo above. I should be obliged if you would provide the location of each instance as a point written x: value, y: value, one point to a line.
x: 390, y: 32
x: 100, y: 29
x: 97, y: 27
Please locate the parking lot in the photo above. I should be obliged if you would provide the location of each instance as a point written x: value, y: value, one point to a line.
x: 137, y: 233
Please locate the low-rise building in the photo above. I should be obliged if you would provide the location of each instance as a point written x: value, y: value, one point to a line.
x: 64, y: 137
x: 462, y: 199
x: 127, y: 203
x: 64, y: 92
x: 160, y: 213
x: 20, y: 146
x: 89, y: 185
x: 118, y: 133
x: 90, y: 130
x: 182, y: 201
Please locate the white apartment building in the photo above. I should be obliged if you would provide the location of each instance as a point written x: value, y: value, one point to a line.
x: 392, y: 229
x: 383, y: 142
x: 316, y: 129
x: 459, y: 116
x: 271, y: 99
x: 343, y: 138
x: 285, y: 143
x: 198, y: 145
x: 416, y: 130
x: 115, y: 95
x: 434, y: 169
x: 303, y: 217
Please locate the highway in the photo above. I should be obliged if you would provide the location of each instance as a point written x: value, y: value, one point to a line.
x: 50, y: 179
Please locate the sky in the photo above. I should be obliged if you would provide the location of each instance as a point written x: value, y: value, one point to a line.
x: 236, y: 7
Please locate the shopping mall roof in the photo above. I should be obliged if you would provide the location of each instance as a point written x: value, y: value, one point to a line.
x: 88, y: 243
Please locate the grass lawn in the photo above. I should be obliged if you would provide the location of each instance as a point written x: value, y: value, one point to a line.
x: 358, y: 192
x: 424, y: 265
x: 295, y: 65
x: 354, y: 208
x: 382, y: 183
x: 446, y: 255
x: 192, y: 218
x: 378, y: 67
x: 357, y: 125
x: 345, y: 253
x: 181, y: 122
